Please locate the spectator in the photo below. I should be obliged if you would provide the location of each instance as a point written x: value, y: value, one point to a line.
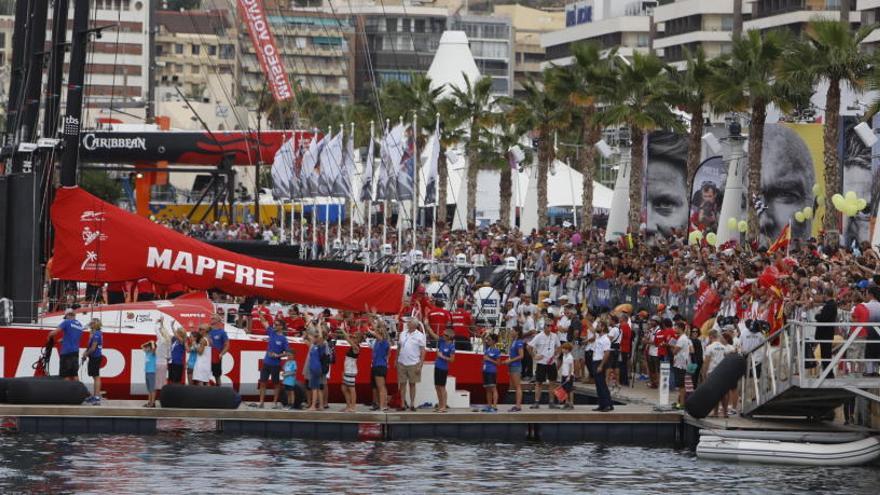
x: 491, y: 360
x: 515, y: 365
x: 410, y: 356
x: 379, y: 365
x: 219, y: 347
x: 601, y: 358
x: 714, y: 354
x: 94, y: 355
x: 566, y: 373
x: 71, y: 331
x: 277, y: 348
x: 350, y: 370
x: 289, y: 379
x: 149, y: 349
x: 545, y: 347
x: 445, y: 357
x: 682, y: 349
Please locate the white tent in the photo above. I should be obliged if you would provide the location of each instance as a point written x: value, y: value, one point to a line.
x: 451, y: 62
x: 564, y: 188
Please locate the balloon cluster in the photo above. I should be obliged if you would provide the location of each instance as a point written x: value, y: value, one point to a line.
x: 741, y: 225
x: 804, y: 215
x: 696, y: 236
x: 849, y: 204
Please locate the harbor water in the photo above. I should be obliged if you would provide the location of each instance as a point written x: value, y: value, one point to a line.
x: 202, y: 462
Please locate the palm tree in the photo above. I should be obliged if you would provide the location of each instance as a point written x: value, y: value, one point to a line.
x: 830, y: 52
x: 494, y: 153
x: 471, y: 106
x: 540, y: 112
x: 639, y: 100
x: 582, y: 84
x: 748, y: 81
x: 689, y: 88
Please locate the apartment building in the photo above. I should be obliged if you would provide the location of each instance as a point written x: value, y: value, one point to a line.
x: 491, y: 42
x: 626, y: 27
x: 6, y: 27
x: 528, y: 26
x: 869, y: 10
x: 192, y: 48
x: 685, y: 25
x: 794, y: 14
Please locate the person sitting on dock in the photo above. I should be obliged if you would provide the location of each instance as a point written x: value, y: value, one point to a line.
x: 545, y: 347
x: 93, y: 354
x: 410, y: 357
x: 276, y: 348
x: 71, y: 331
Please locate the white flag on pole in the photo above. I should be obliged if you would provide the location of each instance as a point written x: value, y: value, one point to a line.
x: 282, y: 170
x: 310, y: 172
x: 367, y: 181
x: 433, y: 160
x: 330, y: 165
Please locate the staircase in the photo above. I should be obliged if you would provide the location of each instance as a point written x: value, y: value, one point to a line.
x: 785, y: 377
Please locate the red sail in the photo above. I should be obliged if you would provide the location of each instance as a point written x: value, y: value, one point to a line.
x: 96, y: 241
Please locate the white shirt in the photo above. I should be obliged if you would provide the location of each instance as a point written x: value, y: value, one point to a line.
x: 567, y: 368
x: 409, y: 352
x: 562, y: 327
x: 715, y: 353
x: 652, y: 349
x: 614, y: 335
x: 750, y: 341
x: 510, y: 318
x: 600, y: 347
x: 545, y: 346
x: 683, y: 355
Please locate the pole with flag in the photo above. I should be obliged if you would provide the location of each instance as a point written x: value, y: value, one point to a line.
x: 383, y: 185
x: 782, y: 241
x: 431, y: 182
x: 415, y: 178
x: 352, y: 201
x: 367, y: 190
x: 341, y: 166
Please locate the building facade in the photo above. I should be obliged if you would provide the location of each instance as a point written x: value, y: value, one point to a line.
x: 686, y: 25
x: 528, y: 25
x: 794, y: 14
x: 491, y: 43
x: 628, y: 33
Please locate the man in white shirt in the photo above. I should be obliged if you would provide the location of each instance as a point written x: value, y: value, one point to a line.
x: 545, y: 346
x: 682, y: 357
x: 601, y: 359
x: 653, y: 352
x: 410, y: 356
x: 526, y: 306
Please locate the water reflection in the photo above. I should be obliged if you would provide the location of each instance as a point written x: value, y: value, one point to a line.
x: 199, y: 462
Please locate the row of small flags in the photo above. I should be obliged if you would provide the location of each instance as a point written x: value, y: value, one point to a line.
x: 326, y: 166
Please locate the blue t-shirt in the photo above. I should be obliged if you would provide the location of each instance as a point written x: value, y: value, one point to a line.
x: 289, y: 367
x: 72, y: 331
x: 277, y: 344
x: 515, y: 347
x: 97, y: 338
x: 445, y: 348
x: 315, y: 358
x: 177, y: 351
x: 380, y: 353
x: 149, y: 362
x: 218, y: 338
x: 493, y: 353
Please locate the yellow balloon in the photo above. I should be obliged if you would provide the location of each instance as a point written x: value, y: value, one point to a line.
x: 850, y: 196
x: 817, y: 190
x: 799, y: 216
x: 743, y: 226
x: 731, y: 223
x: 838, y: 202
x: 851, y: 210
x: 861, y: 204
x: 808, y: 212
x: 711, y: 238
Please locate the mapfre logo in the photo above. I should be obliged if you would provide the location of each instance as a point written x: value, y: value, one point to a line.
x: 92, y: 216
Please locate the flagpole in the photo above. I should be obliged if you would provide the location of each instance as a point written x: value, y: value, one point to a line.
x: 326, y: 209
x: 314, y: 228
x: 369, y: 235
x: 415, y: 194
x: 385, y: 199
x: 436, y: 193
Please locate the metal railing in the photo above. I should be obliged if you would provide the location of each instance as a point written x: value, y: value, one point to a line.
x: 788, y: 358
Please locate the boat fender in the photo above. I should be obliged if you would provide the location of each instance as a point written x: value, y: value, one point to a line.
x: 719, y: 382
x: 199, y: 397
x: 45, y: 391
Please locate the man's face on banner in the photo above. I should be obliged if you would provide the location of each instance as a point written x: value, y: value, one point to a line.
x: 666, y: 197
x: 787, y: 178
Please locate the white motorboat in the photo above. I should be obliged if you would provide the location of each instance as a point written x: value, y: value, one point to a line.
x: 852, y: 453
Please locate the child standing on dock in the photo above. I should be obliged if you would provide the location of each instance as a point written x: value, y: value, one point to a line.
x: 566, y: 373
x: 93, y: 353
x: 491, y: 360
x: 289, y: 379
x: 150, y: 372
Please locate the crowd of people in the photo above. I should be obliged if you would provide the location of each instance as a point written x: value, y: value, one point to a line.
x: 555, y: 328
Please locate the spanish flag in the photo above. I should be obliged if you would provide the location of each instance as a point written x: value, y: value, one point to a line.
x: 781, y: 241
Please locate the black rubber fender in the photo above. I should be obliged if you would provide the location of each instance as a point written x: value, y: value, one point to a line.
x: 44, y: 391
x: 198, y: 397
x: 719, y: 382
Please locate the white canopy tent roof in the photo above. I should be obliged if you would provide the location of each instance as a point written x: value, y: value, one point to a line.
x: 451, y: 62
x: 564, y: 188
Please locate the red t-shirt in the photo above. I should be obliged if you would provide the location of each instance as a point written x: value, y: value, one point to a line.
x: 295, y: 324
x: 661, y: 339
x: 438, y: 319
x: 625, y: 337
x: 256, y: 324
x: 144, y: 286
x: 462, y: 322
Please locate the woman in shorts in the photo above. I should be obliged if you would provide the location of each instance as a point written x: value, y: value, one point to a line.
x: 514, y: 366
x: 379, y: 364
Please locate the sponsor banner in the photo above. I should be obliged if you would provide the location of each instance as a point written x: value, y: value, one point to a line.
x: 254, y: 13
x: 861, y: 168
x: 185, y: 147
x: 134, y: 248
x: 666, y: 208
